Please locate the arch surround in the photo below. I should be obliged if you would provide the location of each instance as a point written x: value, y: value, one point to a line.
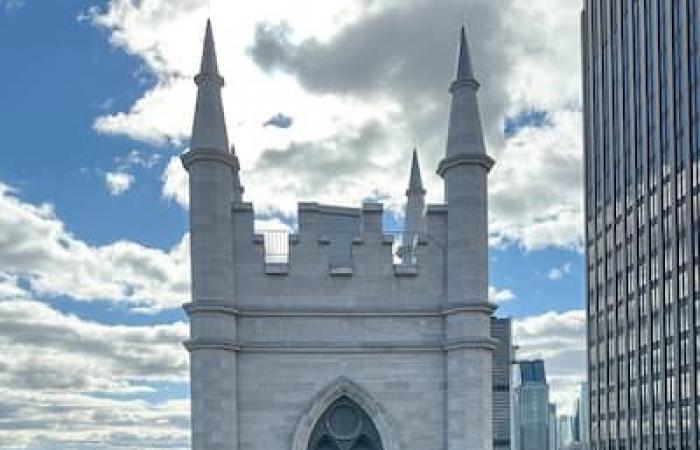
x: 343, y: 386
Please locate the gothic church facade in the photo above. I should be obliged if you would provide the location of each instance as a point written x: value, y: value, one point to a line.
x: 340, y: 347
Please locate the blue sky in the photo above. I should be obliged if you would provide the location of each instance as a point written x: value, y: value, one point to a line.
x: 55, y: 155
x: 96, y: 88
x: 59, y: 158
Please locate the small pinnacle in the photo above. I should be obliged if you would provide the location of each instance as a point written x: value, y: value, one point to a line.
x: 209, y: 128
x: 415, y: 183
x: 209, y: 65
x: 464, y: 63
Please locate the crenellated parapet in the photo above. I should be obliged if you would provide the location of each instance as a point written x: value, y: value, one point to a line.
x: 337, y: 252
x: 336, y: 239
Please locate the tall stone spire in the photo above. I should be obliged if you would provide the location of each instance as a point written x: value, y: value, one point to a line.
x: 209, y: 129
x: 214, y: 188
x: 465, y: 169
x: 415, y: 213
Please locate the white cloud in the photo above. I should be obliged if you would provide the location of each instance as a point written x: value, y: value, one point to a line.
x: 136, y: 158
x: 559, y: 339
x: 35, y: 246
x: 175, y: 182
x: 118, y: 182
x: 500, y: 295
x: 152, y: 118
x: 526, y: 55
x: 536, y: 185
x: 10, y: 288
x: 66, y: 382
x: 545, y: 47
x: 556, y: 273
x: 70, y: 383
x: 272, y: 224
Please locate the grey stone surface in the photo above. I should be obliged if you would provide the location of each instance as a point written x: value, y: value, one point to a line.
x: 272, y: 346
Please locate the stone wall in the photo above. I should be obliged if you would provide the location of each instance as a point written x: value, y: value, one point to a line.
x: 311, y: 281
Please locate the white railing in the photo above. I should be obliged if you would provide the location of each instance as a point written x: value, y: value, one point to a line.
x: 276, y: 244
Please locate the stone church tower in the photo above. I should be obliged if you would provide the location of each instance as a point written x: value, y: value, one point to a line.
x: 337, y: 346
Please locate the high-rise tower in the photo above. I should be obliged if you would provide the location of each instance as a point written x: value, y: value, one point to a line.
x: 532, y: 409
x: 642, y: 198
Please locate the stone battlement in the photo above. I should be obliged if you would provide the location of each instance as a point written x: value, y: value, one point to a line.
x: 338, y: 252
x: 338, y: 229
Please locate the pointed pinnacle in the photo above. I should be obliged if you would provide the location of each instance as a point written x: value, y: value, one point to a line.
x: 415, y: 183
x: 209, y: 128
x: 464, y: 64
x: 209, y: 65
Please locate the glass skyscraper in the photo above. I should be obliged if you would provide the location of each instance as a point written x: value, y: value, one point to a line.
x: 502, y: 331
x: 642, y: 202
x: 532, y: 406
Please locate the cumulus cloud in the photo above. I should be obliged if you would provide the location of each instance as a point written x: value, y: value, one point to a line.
x: 10, y: 287
x: 151, y: 119
x: 536, y: 185
x: 118, y: 182
x: 559, y: 339
x: 70, y: 383
x: 36, y: 247
x: 511, y: 59
x: 175, y: 182
x: 371, y: 62
x: 121, y: 179
x: 500, y: 295
x: 326, y: 170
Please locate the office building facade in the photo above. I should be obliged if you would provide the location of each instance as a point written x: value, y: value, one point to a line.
x: 501, y: 331
x: 582, y: 416
x: 642, y: 144
x: 565, y: 431
x: 552, y: 428
x: 533, y: 406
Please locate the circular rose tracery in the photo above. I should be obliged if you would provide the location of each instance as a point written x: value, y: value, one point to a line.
x: 344, y: 422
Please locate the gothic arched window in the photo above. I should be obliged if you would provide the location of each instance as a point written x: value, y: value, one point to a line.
x: 345, y: 426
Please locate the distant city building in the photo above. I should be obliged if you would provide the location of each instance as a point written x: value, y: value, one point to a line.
x: 565, y: 431
x: 578, y: 424
x: 575, y: 446
x: 582, y: 419
x: 641, y: 94
x: 501, y: 330
x: 533, y: 406
x: 552, y: 429
x: 515, y: 408
x: 575, y: 422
